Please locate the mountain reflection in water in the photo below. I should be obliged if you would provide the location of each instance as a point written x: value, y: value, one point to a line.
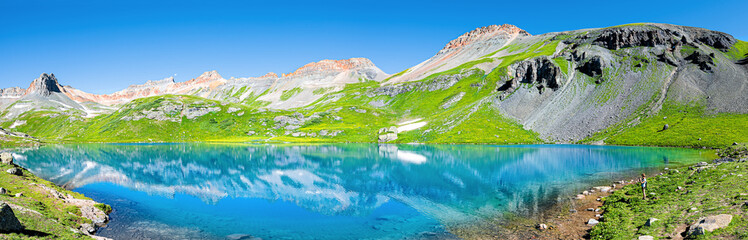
x: 338, y: 185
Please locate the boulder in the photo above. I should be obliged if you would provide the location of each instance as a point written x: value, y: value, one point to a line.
x: 88, y: 228
x: 15, y: 171
x: 387, y: 137
x: 6, y: 158
x: 708, y: 224
x: 650, y: 222
x: 3, y: 191
x: 542, y: 226
x: 666, y: 127
x: 592, y: 222
x: 8, y: 220
x: 602, y: 188
x: 646, y: 237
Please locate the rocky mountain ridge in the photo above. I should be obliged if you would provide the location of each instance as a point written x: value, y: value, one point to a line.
x: 496, y: 82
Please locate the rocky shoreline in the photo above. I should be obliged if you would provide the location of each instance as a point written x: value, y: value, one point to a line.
x: 35, y: 208
x: 581, y: 217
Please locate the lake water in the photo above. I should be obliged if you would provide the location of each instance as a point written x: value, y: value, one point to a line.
x: 335, y: 191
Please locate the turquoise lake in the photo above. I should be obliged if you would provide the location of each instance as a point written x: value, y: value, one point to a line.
x: 330, y: 191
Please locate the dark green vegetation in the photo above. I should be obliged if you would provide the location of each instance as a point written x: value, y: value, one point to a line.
x: 705, y: 191
x: 43, y: 216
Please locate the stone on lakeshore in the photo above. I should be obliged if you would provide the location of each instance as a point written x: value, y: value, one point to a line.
x: 598, y: 215
x: 590, y: 209
x: 586, y: 192
x: 572, y: 210
x: 580, y: 196
x: 701, y: 164
x: 88, y: 228
x: 708, y: 224
x: 650, y: 222
x: 602, y: 188
x: 6, y: 158
x: 8, y: 220
x: 646, y: 237
x: 592, y: 222
x: 542, y: 226
x: 15, y: 171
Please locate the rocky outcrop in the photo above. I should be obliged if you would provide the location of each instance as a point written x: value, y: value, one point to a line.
x: 635, y: 36
x: 541, y: 72
x: 483, y: 33
x: 326, y: 66
x: 704, y: 61
x: 440, y: 82
x: 13, y: 92
x: 592, y: 67
x: 45, y: 85
x: 293, y: 121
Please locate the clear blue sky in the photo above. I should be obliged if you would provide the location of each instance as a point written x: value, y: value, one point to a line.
x: 103, y: 46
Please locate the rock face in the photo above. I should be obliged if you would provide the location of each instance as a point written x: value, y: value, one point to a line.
x: 617, y: 38
x: 45, y: 85
x: 8, y: 220
x: 708, y: 224
x: 592, y: 67
x: 540, y: 71
x: 704, y: 61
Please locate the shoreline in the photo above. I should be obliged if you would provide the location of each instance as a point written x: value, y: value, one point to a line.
x: 40, y: 208
x: 570, y: 219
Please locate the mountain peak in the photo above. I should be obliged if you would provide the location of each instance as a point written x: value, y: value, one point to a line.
x: 269, y: 75
x: 481, y: 33
x: 210, y: 75
x: 331, y: 66
x: 45, y: 85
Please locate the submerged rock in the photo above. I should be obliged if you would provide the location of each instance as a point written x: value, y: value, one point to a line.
x: 8, y: 220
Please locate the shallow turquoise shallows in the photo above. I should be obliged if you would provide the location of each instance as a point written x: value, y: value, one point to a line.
x: 336, y: 191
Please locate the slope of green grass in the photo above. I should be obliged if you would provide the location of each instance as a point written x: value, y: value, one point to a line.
x: 714, y: 190
x: 55, y: 218
x: 687, y: 124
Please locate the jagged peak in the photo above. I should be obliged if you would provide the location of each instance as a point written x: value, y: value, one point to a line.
x: 210, y: 75
x: 484, y: 33
x: 45, y: 85
x: 331, y: 65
